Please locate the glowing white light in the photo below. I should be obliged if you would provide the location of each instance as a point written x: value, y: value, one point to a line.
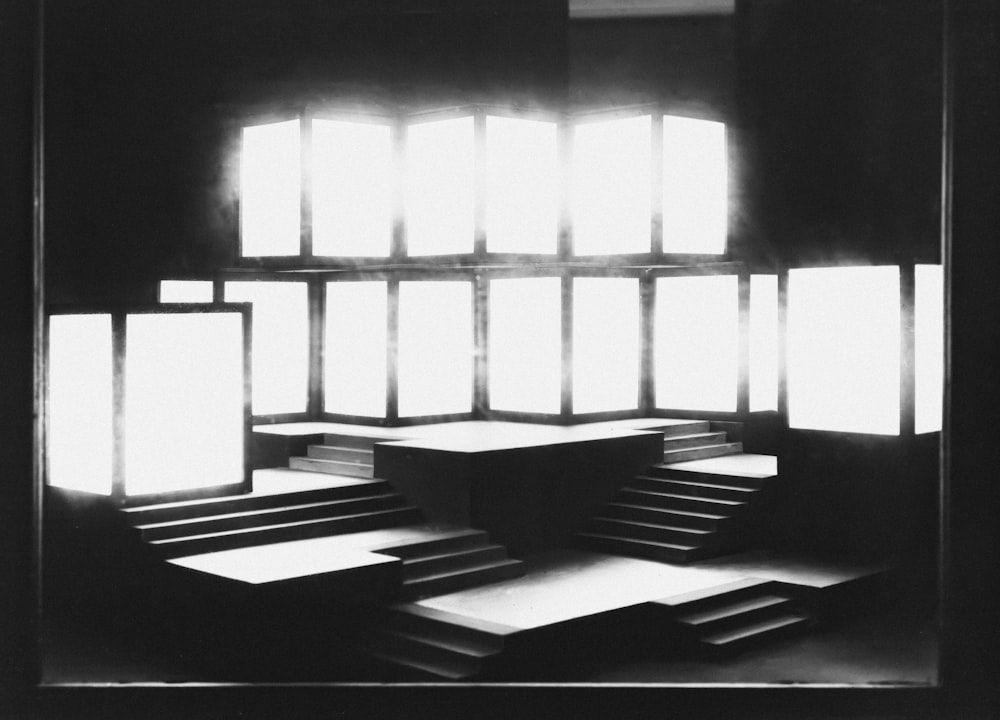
x: 696, y: 340
x: 184, y: 415
x: 526, y: 344
x: 763, y: 342
x: 695, y: 186
x: 435, y: 348
x: 521, y: 186
x: 351, y: 188
x: 280, y: 339
x: 843, y: 349
x: 928, y: 329
x: 354, y: 355
x: 606, y: 339
x: 185, y: 291
x: 440, y: 187
x: 80, y: 396
x: 611, y: 186
x: 270, y: 190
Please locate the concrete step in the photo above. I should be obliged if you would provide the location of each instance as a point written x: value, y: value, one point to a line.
x: 690, y: 427
x: 717, y: 595
x: 700, y: 453
x: 680, y: 442
x: 268, y: 516
x: 673, y: 472
x: 341, y: 454
x: 447, y: 541
x: 418, y: 620
x: 736, y: 613
x: 756, y: 633
x: 698, y: 489
x: 331, y: 467
x: 616, y: 545
x: 359, y: 442
x: 480, y: 574
x: 165, y: 512
x: 413, y: 655
x: 687, y: 537
x: 662, y: 516
x: 689, y: 503
x: 246, y: 537
x: 444, y: 562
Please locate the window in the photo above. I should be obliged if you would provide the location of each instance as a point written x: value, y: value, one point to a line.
x: 355, y: 346
x: 270, y: 202
x: 844, y: 349
x: 928, y: 344
x: 695, y: 186
x: 763, y: 342
x: 186, y: 291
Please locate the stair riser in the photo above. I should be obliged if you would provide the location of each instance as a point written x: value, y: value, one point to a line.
x: 682, y: 443
x: 618, y: 547
x: 347, y: 455
x: 407, y: 648
x: 695, y: 427
x: 331, y: 467
x: 666, y: 517
x: 292, y: 514
x: 702, y: 453
x: 251, y: 502
x: 452, y: 583
x: 647, y: 532
x: 335, y: 526
x: 417, y: 624
x: 705, y: 477
x: 675, y: 487
x: 735, y: 621
x: 415, y: 569
x: 350, y: 441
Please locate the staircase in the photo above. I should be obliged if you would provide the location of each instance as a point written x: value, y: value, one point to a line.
x: 675, y: 513
x: 348, y: 455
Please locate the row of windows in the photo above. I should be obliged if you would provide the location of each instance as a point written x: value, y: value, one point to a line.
x: 352, y: 177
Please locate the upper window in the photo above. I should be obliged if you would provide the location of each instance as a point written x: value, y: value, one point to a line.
x: 695, y: 196
x: 270, y: 195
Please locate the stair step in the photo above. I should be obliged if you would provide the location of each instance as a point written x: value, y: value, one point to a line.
x: 687, y: 537
x: 331, y: 467
x: 681, y: 518
x: 698, y: 489
x: 444, y: 583
x: 684, y: 428
x: 663, y: 552
x: 757, y: 632
x: 268, y: 516
x: 422, y: 625
x: 716, y: 595
x: 450, y: 541
x: 357, y: 442
x: 692, y: 503
x: 738, y: 609
x: 166, y: 512
x: 674, y: 472
x: 700, y: 453
x: 341, y: 454
x: 455, y: 670
x: 437, y: 564
x: 229, y: 539
x: 679, y: 442
x: 446, y: 647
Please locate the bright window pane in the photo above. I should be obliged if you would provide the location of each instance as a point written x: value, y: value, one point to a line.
x: 697, y: 342
x: 695, y: 197
x: 184, y: 413
x: 270, y: 189
x: 440, y: 187
x: 522, y: 186
x: 185, y: 291
x: 525, y: 344
x: 843, y: 349
x: 80, y: 398
x: 354, y: 358
x: 611, y: 186
x: 763, y: 342
x: 435, y: 348
x: 606, y: 338
x: 928, y: 348
x: 351, y: 188
x: 280, y: 343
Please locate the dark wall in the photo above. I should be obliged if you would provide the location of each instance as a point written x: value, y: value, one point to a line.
x: 143, y: 98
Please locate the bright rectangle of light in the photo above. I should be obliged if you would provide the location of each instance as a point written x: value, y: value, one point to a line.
x: 435, y: 348
x: 270, y: 190
x: 696, y: 342
x: 80, y: 403
x: 351, y: 188
x: 606, y: 340
x: 610, y: 186
x: 184, y: 411
x: 354, y: 354
x: 928, y: 346
x: 525, y: 344
x: 522, y: 187
x: 440, y: 187
x: 185, y: 291
x: 843, y: 349
x: 695, y: 186
x: 763, y: 342
x: 280, y: 338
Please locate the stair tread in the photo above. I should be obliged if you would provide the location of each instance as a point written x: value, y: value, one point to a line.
x: 732, y: 609
x: 620, y: 521
x: 695, y: 448
x: 326, y: 446
x: 706, y: 516
x: 475, y: 550
x: 449, y: 618
x: 671, y: 438
x: 651, y: 543
x: 718, y: 501
x: 749, y: 631
x: 441, y: 670
x: 468, y: 647
x: 508, y: 562
x: 264, y: 511
x: 298, y: 523
x: 325, y: 461
x: 713, y: 486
